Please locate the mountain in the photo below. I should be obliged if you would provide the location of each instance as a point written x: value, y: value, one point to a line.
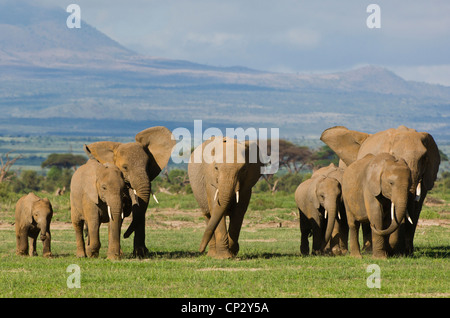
x: 56, y: 80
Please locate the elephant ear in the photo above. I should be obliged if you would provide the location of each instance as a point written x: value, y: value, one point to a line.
x: 254, y: 162
x: 312, y: 191
x: 374, y: 171
x: 30, y: 202
x: 159, y: 142
x: 344, y: 142
x: 433, y: 159
x: 102, y: 151
x: 90, y: 180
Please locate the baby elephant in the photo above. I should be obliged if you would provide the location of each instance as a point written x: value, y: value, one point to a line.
x: 375, y: 190
x: 318, y: 200
x: 33, y: 215
x: 98, y: 195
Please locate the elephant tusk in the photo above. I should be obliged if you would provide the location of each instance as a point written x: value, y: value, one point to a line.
x: 408, y: 217
x: 326, y: 214
x: 121, y: 215
x: 237, y: 196
x: 338, y: 215
x: 418, y: 191
x: 215, y: 195
x: 154, y: 197
x: 109, y: 213
x: 392, y: 211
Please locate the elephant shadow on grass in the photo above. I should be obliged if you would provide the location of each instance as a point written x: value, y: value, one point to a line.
x: 432, y: 251
x: 167, y: 255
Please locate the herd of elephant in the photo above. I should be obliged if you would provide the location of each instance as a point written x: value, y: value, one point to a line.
x: 380, y: 184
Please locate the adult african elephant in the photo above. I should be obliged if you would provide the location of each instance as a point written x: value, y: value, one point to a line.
x: 98, y: 195
x: 33, y: 215
x: 222, y: 172
x: 373, y: 186
x: 318, y: 200
x: 140, y: 163
x: 418, y: 149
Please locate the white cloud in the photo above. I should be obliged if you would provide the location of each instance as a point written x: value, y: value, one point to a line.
x: 434, y: 74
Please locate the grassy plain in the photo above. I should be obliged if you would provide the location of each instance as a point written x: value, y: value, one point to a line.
x: 268, y: 265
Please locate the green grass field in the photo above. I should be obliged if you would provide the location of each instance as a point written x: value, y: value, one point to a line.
x: 268, y: 264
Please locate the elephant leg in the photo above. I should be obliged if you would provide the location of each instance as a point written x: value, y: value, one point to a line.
x: 94, y: 245
x: 236, y: 219
x: 46, y: 250
x: 305, y: 230
x: 395, y: 245
x: 334, y: 244
x: 78, y: 226
x: 318, y: 235
x: 367, y: 237
x: 212, y: 242
x: 22, y: 241
x: 221, y: 237
x: 343, y: 236
x: 378, y: 246
x: 33, y: 239
x: 139, y: 249
x: 353, y: 227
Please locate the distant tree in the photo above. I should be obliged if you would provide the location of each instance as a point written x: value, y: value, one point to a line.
x: 64, y: 160
x: 6, y: 165
x: 291, y: 156
x: 323, y: 157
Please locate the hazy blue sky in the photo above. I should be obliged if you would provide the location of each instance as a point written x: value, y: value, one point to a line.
x: 282, y: 35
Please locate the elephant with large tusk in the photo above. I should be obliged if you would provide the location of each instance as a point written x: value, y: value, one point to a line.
x: 222, y: 185
x: 418, y: 149
x: 140, y: 162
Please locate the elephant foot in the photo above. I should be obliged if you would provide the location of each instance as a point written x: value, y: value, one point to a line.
x: 48, y: 254
x: 220, y: 254
x: 81, y: 254
x: 224, y: 255
x: 92, y: 254
x: 141, y: 251
x: 356, y: 255
x: 380, y: 255
x: 212, y: 252
x: 113, y: 257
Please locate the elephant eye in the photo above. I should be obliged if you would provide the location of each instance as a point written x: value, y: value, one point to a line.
x: 216, y: 167
x: 104, y: 187
x: 125, y: 167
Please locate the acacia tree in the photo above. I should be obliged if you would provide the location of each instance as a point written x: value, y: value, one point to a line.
x: 63, y: 160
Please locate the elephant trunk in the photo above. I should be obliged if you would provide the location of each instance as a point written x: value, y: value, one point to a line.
x: 143, y: 195
x: 332, y: 213
x: 44, y: 232
x: 223, y: 197
x: 42, y: 224
x: 115, y: 222
x: 398, y: 212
